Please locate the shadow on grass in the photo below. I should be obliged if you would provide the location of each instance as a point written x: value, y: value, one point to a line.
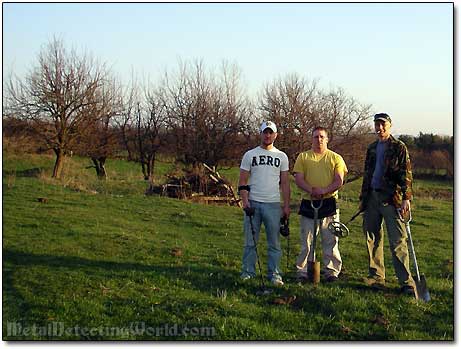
x: 209, y: 280
x: 201, y: 278
x: 205, y: 279
x: 30, y: 172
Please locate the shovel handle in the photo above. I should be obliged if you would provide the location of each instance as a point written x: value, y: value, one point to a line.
x: 318, y: 207
x: 410, y: 241
x: 316, y: 226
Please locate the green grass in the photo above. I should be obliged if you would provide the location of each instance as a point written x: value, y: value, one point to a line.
x: 99, y: 255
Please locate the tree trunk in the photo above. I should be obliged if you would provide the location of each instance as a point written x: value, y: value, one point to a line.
x: 57, y: 170
x: 144, y: 170
x: 99, y: 164
x: 150, y: 168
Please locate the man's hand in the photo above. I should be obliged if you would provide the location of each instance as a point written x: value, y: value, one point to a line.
x: 405, y: 207
x: 286, y: 211
x: 317, y: 192
x: 249, y: 211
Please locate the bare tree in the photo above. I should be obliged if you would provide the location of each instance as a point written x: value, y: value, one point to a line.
x: 125, y: 121
x: 297, y: 106
x: 143, y: 124
x: 151, y: 122
x: 99, y: 141
x: 57, y: 96
x: 349, y: 127
x: 291, y: 103
x: 206, y: 113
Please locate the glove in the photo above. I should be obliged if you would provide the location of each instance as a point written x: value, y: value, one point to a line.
x: 284, y: 226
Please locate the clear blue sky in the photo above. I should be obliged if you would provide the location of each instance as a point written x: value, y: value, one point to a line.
x: 397, y: 57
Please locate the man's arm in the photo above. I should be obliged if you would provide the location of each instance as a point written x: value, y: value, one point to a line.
x: 405, y: 179
x: 285, y: 184
x: 301, y: 183
x: 243, y: 180
x: 332, y: 187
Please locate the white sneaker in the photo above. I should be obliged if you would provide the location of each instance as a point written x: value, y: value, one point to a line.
x: 277, y: 281
x: 245, y: 277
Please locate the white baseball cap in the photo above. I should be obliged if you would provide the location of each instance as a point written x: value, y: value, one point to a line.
x: 268, y: 124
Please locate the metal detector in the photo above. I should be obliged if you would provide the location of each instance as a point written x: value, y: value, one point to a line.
x: 250, y: 211
x: 340, y: 229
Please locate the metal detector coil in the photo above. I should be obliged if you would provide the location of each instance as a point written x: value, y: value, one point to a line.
x: 338, y: 229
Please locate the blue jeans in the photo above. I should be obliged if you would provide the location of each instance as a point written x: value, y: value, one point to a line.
x: 269, y: 214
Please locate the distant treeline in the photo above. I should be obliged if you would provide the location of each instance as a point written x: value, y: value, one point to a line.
x: 431, y: 155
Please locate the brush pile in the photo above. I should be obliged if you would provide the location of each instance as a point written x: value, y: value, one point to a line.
x: 203, y: 184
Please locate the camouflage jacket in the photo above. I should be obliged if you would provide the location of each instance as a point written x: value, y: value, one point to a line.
x: 397, y: 179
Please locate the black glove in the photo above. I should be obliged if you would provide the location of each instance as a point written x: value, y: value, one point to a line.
x: 284, y: 226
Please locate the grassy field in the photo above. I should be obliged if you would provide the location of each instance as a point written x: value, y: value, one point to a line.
x: 100, y: 260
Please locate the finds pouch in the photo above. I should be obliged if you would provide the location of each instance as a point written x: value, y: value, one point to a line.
x: 328, y: 208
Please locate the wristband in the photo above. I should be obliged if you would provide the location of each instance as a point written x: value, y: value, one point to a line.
x: 244, y: 187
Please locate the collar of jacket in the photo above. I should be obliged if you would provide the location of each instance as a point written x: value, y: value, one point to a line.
x: 390, y: 140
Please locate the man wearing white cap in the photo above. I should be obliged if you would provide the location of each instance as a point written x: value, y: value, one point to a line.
x: 263, y: 172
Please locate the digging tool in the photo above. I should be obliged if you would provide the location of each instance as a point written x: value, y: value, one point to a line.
x: 421, y: 293
x: 340, y: 229
x: 250, y: 211
x: 313, y: 267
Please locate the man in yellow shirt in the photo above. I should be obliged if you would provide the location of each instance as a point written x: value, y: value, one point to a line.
x: 319, y: 172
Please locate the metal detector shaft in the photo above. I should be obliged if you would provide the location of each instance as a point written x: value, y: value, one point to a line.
x: 256, y: 249
x: 288, y: 253
x: 354, y: 216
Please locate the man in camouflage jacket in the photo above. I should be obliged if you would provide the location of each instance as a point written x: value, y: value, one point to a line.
x: 386, y: 187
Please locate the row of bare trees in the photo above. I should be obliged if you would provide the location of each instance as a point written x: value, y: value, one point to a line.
x: 199, y: 117
x: 73, y: 103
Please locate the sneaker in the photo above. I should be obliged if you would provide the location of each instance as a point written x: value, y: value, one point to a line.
x: 245, y: 277
x: 302, y: 279
x: 331, y: 278
x: 408, y: 290
x: 277, y: 281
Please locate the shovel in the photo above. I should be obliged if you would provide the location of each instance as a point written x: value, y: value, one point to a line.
x: 313, y: 267
x: 422, y: 293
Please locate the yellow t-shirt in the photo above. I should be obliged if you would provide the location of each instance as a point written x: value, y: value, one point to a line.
x: 319, y: 170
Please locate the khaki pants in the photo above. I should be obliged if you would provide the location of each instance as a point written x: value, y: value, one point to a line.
x: 373, y: 217
x: 331, y: 257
